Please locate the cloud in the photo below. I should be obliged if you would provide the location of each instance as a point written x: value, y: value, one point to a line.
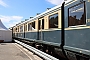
x: 3, y: 3
x: 56, y: 2
x: 10, y: 21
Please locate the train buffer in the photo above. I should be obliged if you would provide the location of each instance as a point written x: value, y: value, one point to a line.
x: 13, y: 51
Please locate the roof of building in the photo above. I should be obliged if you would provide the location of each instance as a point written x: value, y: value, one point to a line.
x: 2, y: 27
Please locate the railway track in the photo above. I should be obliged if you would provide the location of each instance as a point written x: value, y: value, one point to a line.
x: 36, y: 51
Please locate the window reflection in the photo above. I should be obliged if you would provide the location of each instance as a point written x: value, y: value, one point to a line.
x: 77, y: 15
x: 53, y: 21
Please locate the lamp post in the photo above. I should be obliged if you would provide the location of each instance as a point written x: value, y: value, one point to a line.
x: 62, y: 25
x: 62, y: 28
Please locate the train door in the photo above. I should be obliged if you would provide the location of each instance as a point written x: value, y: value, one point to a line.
x: 40, y: 28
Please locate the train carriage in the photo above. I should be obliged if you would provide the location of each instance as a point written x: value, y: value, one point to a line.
x: 46, y: 27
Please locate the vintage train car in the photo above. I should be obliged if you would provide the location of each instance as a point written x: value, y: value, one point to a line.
x: 46, y: 27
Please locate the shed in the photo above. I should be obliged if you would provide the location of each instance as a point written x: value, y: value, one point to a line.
x: 5, y: 34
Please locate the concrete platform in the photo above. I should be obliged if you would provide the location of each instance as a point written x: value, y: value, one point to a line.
x: 13, y: 51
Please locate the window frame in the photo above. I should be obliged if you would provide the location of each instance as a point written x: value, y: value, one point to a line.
x: 16, y: 29
x: 43, y: 23
x: 84, y: 13
x: 21, y: 28
x: 29, y: 26
x: 49, y: 21
x: 32, y: 25
x: 39, y: 24
x: 26, y: 27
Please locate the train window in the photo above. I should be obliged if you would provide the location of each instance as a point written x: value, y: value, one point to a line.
x: 42, y: 23
x: 39, y: 23
x: 53, y: 21
x: 33, y: 25
x: 16, y: 29
x: 29, y: 26
x: 25, y: 27
x: 21, y: 28
x: 77, y: 15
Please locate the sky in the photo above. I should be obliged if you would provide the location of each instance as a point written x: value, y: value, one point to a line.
x: 13, y: 12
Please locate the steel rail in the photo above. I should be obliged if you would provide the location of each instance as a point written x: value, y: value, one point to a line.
x: 36, y: 51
